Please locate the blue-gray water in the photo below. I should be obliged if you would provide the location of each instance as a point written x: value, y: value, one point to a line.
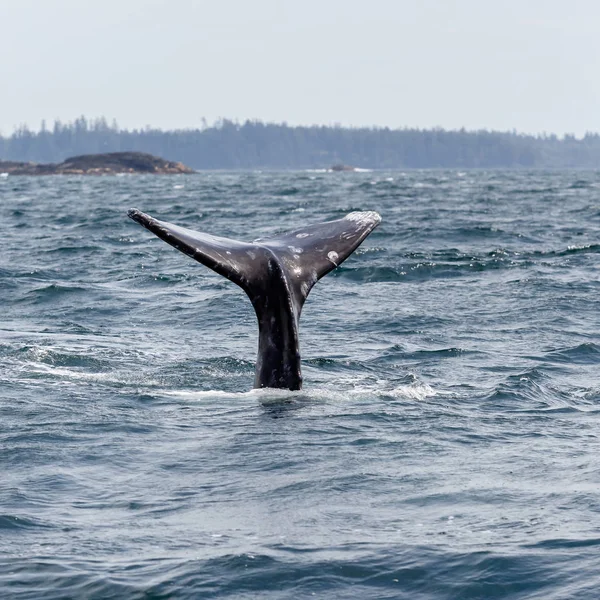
x: 446, y: 444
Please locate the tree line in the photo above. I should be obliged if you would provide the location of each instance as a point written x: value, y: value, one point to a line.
x: 228, y: 144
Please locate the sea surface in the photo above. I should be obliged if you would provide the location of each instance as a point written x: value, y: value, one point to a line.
x: 446, y: 444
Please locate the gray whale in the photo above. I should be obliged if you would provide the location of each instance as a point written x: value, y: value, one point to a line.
x: 277, y: 274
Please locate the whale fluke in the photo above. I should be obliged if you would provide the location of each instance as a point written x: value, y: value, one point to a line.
x: 277, y: 274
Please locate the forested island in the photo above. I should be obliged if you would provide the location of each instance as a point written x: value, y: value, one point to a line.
x: 112, y: 163
x: 258, y: 145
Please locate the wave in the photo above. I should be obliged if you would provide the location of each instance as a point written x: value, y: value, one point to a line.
x: 295, y: 570
x: 49, y: 293
x: 44, y: 356
x: 535, y: 391
x: 587, y: 353
x: 16, y: 523
x: 448, y: 263
x: 422, y: 271
x: 569, y: 250
x: 291, y: 191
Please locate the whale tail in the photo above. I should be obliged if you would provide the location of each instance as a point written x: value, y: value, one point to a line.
x: 277, y: 274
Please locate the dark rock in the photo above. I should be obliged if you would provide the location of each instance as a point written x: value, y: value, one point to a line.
x: 342, y: 168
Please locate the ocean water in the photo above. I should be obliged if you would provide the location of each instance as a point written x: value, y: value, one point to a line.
x: 446, y: 443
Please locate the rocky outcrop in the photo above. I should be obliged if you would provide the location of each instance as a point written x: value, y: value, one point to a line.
x: 113, y: 163
x: 342, y: 168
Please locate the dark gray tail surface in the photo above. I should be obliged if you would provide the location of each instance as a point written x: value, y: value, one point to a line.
x: 277, y: 274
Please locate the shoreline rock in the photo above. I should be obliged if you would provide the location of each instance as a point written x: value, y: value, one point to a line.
x: 112, y: 163
x: 341, y: 167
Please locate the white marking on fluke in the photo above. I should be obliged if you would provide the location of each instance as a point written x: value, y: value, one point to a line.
x: 333, y: 257
x: 363, y: 217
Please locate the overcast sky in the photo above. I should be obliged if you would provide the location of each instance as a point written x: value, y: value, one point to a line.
x: 531, y: 65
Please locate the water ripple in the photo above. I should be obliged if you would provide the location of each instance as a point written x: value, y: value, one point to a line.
x: 444, y: 446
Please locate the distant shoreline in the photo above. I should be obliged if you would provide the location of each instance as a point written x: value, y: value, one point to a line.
x: 229, y: 145
x: 112, y: 163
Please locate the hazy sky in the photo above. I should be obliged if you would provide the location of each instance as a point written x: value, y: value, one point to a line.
x: 532, y: 65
